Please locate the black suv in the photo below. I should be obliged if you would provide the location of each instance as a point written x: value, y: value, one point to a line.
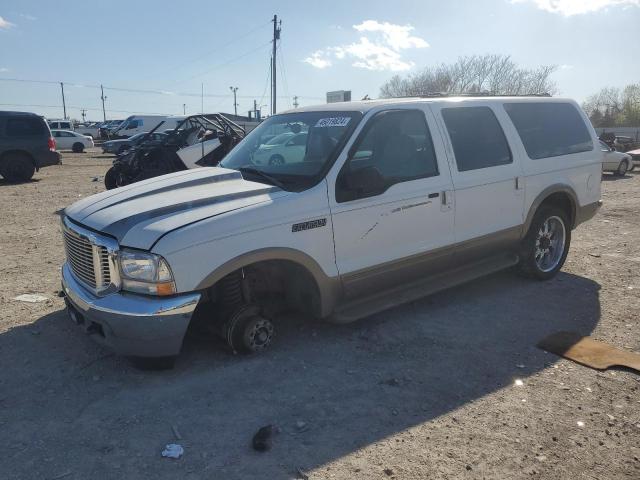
x: 26, y: 145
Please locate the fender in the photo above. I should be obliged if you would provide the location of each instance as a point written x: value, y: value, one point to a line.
x: 542, y: 196
x: 329, y: 288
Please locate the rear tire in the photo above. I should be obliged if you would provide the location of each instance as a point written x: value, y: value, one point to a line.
x: 546, y: 245
x: 111, y: 179
x: 17, y: 167
x: 622, y: 168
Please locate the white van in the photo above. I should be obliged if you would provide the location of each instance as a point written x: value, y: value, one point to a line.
x: 145, y: 123
x: 393, y: 199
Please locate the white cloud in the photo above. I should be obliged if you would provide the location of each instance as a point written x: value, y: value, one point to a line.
x: 396, y: 36
x: 4, y: 70
x: 577, y: 7
x: 565, y: 66
x: 5, y: 24
x: 28, y: 17
x: 380, y: 48
x: 319, y: 59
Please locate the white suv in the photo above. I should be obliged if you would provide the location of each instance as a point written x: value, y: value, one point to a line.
x: 393, y: 200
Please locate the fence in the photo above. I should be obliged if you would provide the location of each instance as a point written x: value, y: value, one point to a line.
x: 633, y: 132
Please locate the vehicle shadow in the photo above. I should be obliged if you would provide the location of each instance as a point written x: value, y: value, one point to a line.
x: 350, y: 385
x: 4, y: 182
x: 610, y: 177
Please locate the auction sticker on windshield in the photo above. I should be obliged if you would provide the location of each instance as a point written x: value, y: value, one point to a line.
x: 333, y: 122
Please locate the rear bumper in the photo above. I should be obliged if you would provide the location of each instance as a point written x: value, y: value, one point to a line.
x: 587, y: 212
x: 47, y: 159
x: 130, y: 324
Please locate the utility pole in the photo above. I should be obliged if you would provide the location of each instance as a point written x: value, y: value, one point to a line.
x: 84, y: 115
x: 184, y: 108
x: 103, y: 98
x: 295, y: 101
x: 235, y: 103
x: 276, y: 37
x: 64, y: 106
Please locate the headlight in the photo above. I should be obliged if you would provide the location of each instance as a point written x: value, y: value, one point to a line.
x: 144, y: 272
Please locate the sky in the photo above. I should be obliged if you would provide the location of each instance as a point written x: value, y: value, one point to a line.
x: 159, y: 56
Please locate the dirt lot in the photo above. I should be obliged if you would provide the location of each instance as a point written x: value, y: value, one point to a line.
x: 426, y: 390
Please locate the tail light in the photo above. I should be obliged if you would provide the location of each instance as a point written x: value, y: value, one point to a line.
x: 52, y: 144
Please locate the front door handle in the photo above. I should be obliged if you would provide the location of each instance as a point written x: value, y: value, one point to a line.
x: 434, y: 195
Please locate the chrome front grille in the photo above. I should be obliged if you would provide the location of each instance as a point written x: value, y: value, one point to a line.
x: 91, y: 257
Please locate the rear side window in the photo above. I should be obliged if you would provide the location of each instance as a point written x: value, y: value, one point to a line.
x: 477, y: 138
x: 549, y: 129
x: 24, y: 127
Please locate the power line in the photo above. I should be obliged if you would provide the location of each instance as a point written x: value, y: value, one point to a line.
x: 140, y: 90
x: 284, y: 76
x: 218, y: 48
x: 224, y: 64
x: 33, y: 105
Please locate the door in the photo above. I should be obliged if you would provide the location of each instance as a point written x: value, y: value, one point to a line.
x: 488, y: 181
x: 64, y: 140
x: 391, y: 208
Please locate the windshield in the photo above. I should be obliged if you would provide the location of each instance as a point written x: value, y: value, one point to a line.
x: 292, y: 148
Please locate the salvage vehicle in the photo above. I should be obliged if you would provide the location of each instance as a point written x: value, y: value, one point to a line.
x: 120, y: 146
x: 144, y: 123
x: 635, y: 158
x: 26, y: 145
x: 394, y: 199
x: 615, y: 162
x: 197, y: 141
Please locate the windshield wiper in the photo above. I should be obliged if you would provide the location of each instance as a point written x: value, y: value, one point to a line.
x: 264, y: 176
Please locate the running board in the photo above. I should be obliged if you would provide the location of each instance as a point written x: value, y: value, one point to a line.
x: 380, y: 301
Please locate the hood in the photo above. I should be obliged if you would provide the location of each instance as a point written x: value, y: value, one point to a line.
x: 138, y: 215
x: 116, y: 142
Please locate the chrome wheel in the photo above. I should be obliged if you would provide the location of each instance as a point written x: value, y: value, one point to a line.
x: 550, y: 243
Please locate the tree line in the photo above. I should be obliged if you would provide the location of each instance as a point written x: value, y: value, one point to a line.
x: 499, y: 75
x: 490, y: 73
x: 614, y: 107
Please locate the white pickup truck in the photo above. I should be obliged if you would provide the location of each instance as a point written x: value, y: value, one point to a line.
x: 392, y: 200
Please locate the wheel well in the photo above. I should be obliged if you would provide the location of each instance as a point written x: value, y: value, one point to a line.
x: 280, y: 284
x: 563, y: 201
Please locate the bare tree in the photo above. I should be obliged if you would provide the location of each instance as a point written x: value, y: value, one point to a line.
x: 496, y: 74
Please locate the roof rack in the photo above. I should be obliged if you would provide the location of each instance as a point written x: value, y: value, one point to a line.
x: 478, y: 94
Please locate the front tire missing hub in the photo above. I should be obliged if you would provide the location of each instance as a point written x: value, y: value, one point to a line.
x: 246, y: 330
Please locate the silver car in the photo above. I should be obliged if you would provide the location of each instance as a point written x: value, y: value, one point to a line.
x: 617, y: 163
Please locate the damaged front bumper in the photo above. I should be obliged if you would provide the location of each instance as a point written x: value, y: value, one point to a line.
x: 130, y: 324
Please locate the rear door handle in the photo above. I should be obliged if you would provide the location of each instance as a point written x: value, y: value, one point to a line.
x: 434, y: 195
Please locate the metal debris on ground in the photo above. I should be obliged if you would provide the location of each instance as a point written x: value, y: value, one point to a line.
x: 173, y: 450
x: 589, y: 352
x: 31, y: 298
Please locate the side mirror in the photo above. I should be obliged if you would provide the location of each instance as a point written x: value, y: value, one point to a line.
x: 365, y: 182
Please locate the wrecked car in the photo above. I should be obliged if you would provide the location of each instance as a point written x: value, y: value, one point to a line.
x: 197, y: 141
x: 392, y: 200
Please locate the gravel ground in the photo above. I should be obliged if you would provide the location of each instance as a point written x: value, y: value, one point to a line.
x: 427, y: 390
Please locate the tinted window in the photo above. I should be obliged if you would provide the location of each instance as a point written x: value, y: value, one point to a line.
x: 21, y: 127
x: 398, y: 145
x: 549, y: 129
x: 477, y: 138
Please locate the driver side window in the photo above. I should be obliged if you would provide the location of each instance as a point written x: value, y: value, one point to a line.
x: 395, y: 147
